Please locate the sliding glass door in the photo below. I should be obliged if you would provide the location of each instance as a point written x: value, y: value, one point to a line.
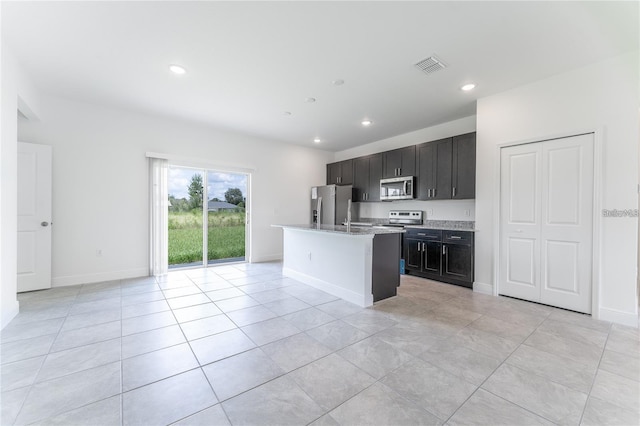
x: 207, y: 216
x: 226, y: 217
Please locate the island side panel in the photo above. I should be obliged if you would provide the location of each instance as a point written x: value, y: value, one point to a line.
x: 386, y: 266
x: 339, y: 264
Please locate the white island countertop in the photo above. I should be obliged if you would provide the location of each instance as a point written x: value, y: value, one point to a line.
x: 343, y: 229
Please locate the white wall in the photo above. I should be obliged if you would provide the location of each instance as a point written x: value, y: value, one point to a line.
x: 602, y: 96
x: 434, y: 210
x: 440, y: 131
x: 100, y: 183
x: 17, y: 92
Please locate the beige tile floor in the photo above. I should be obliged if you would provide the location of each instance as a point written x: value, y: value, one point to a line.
x: 241, y: 344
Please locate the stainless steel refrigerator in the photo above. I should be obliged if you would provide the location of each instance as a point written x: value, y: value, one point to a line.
x: 335, y: 198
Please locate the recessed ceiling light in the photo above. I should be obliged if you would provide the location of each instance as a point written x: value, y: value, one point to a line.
x: 177, y: 69
x: 338, y: 82
x: 366, y: 122
x: 467, y: 87
x: 310, y: 100
x: 317, y: 140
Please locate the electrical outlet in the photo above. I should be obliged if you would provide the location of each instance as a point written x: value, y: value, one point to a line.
x: 467, y: 212
x: 430, y: 212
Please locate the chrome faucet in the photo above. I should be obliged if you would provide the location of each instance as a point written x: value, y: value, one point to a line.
x: 349, y: 215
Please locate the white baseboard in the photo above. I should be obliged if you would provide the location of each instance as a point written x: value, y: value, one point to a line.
x: 483, y: 288
x: 10, y: 312
x: 266, y: 258
x: 100, y: 277
x: 348, y: 295
x: 625, y: 318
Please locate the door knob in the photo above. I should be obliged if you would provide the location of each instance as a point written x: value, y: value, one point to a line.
x: 44, y: 223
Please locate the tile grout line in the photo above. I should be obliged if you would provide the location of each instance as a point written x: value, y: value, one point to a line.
x: 218, y: 402
x: 595, y: 376
x: 493, y: 372
x: 40, y: 369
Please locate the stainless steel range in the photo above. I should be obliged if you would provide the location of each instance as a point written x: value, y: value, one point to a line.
x: 405, y: 217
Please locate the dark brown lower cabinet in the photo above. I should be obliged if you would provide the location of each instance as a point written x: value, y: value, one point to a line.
x: 440, y: 255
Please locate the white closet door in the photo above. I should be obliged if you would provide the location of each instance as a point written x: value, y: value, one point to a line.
x: 567, y: 213
x: 546, y: 213
x: 520, y: 221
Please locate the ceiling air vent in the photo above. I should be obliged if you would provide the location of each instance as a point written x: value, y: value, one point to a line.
x: 430, y: 65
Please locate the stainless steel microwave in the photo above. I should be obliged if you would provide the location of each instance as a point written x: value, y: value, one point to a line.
x: 397, y: 188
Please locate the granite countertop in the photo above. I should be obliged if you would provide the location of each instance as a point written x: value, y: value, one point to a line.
x: 342, y: 229
x: 445, y: 225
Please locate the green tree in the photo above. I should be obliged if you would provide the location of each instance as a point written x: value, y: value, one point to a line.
x: 233, y: 196
x: 195, y: 191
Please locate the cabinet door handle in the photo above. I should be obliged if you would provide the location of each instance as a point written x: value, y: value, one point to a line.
x: 421, y: 234
x: 453, y: 192
x: 455, y: 237
x: 429, y: 193
x: 444, y: 250
x: 419, y: 247
x: 423, y: 249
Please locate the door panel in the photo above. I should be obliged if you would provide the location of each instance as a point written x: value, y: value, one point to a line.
x: 443, y: 169
x: 520, y: 227
x: 413, y: 254
x: 464, y: 166
x: 561, y: 258
x: 522, y: 261
x: 563, y: 197
x: 433, y: 257
x: 567, y: 211
x: 523, y: 171
x: 34, y: 217
x: 426, y: 171
x: 375, y: 174
x: 457, y: 261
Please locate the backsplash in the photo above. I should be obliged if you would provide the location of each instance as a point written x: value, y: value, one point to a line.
x: 450, y: 224
x: 454, y: 210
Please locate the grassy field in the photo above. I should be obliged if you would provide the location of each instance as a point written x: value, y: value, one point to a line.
x: 225, y: 236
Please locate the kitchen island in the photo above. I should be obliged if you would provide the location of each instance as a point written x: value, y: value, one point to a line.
x: 359, y: 265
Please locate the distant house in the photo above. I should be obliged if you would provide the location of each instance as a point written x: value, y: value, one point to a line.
x: 216, y: 206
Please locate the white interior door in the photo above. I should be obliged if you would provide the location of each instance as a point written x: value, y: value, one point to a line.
x: 520, y: 186
x: 567, y: 214
x: 546, y: 222
x: 34, y: 217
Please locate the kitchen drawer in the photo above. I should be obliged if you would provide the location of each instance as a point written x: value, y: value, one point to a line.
x: 423, y: 234
x: 458, y: 237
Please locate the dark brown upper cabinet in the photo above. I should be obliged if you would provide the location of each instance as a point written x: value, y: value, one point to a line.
x: 434, y: 170
x: 367, y: 172
x: 463, y: 173
x: 399, y: 162
x: 340, y: 173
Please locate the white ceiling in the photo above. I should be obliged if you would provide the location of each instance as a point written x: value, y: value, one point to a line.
x: 249, y: 62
